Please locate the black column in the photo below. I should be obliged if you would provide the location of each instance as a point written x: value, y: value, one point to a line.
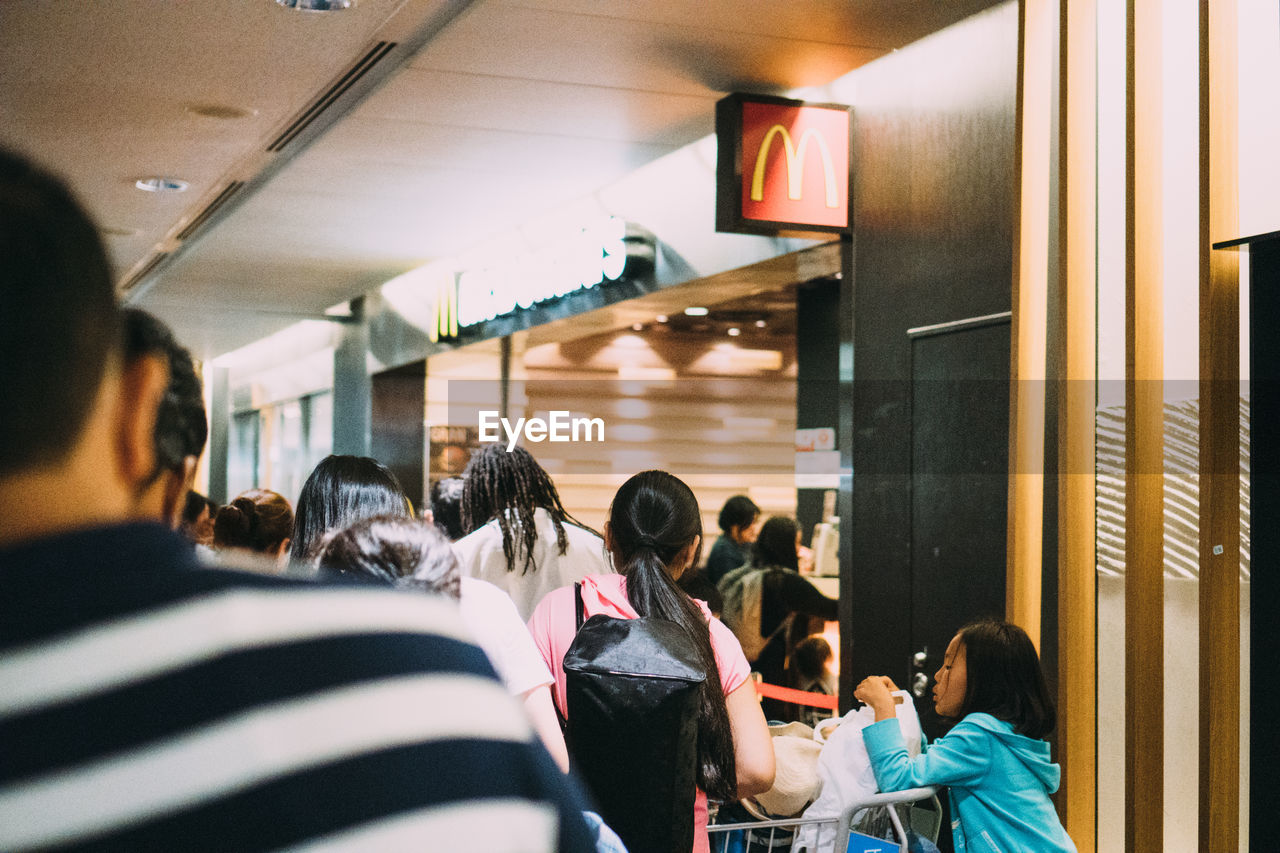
x: 1264, y: 468
x: 817, y: 375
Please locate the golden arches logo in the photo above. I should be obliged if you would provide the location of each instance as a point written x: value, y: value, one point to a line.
x: 795, y: 164
x: 444, y: 326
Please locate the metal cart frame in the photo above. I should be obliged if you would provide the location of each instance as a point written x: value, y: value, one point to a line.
x: 840, y: 826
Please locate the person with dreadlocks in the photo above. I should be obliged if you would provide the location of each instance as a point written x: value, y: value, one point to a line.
x: 519, y: 536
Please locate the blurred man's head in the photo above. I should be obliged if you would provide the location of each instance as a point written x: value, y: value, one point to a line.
x: 181, y: 427
x: 74, y: 422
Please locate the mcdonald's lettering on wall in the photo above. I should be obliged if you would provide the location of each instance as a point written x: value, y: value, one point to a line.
x: 783, y: 165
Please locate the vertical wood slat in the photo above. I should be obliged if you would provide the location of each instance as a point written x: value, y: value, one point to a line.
x: 1029, y: 327
x: 1077, y: 394
x: 1144, y: 478
x: 1219, y: 434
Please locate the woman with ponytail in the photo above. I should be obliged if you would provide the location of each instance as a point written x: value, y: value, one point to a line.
x: 653, y: 535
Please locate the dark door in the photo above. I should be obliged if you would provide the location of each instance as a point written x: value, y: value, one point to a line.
x: 959, y: 489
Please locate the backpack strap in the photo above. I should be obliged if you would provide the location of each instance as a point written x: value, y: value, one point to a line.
x: 577, y: 604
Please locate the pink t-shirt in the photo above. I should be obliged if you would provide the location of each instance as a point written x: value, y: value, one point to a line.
x: 554, y: 626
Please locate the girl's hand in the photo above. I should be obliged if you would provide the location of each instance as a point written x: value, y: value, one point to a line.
x: 876, y: 691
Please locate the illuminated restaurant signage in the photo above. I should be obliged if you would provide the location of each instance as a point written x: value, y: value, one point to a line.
x: 581, y: 259
x: 782, y: 165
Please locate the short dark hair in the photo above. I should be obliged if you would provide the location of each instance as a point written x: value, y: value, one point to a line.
x: 739, y: 511
x: 446, y: 507
x: 810, y: 656
x: 258, y: 520
x: 1004, y: 678
x: 58, y: 316
x: 339, y: 492
x: 182, y: 427
x: 392, y: 549
x: 194, y: 505
x: 776, y: 544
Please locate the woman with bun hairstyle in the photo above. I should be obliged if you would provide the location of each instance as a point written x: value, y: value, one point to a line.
x: 653, y: 535
x: 258, y: 520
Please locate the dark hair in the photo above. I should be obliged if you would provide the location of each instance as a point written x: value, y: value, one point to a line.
x: 59, y: 323
x: 739, y: 511
x: 258, y: 520
x: 339, y: 492
x: 395, y: 550
x: 1003, y: 678
x: 509, y: 486
x: 446, y: 507
x: 181, y: 425
x: 654, y: 516
x: 195, y: 504
x: 810, y: 657
x: 776, y: 544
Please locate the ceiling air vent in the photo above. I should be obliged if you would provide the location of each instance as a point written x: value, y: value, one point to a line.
x: 362, y: 67
x: 147, y: 269
x: 203, y: 216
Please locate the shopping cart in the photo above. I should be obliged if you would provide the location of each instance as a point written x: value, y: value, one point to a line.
x: 832, y: 834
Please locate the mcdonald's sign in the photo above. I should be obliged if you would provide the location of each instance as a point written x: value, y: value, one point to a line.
x: 783, y: 165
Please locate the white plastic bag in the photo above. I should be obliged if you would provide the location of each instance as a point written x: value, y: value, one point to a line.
x: 844, y: 769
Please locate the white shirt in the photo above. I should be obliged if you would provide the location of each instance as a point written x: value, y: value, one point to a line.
x: 492, y: 618
x: 480, y: 556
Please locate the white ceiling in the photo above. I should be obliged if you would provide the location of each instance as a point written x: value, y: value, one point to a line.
x: 484, y: 115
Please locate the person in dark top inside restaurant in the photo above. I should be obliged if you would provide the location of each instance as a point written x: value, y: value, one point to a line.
x: 740, y: 524
x: 791, y: 608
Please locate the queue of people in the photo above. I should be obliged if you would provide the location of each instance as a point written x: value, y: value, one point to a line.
x: 373, y: 681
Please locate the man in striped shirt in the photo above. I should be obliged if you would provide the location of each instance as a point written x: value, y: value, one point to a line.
x: 146, y: 704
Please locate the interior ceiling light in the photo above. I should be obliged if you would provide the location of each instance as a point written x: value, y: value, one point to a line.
x: 734, y: 331
x: 161, y: 184
x: 696, y: 312
x: 637, y: 327
x: 760, y: 324
x: 662, y: 318
x: 317, y: 5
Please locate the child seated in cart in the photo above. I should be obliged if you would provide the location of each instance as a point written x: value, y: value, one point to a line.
x: 994, y: 759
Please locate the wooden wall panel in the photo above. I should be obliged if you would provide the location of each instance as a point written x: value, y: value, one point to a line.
x: 1219, y: 433
x: 1144, y: 439
x: 1077, y: 392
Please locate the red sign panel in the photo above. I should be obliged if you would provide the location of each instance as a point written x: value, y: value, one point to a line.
x: 790, y: 165
x: 795, y: 164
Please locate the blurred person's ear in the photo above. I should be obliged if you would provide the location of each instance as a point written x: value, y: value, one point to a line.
x: 142, y: 386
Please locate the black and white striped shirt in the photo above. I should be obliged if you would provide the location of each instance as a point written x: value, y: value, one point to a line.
x: 147, y: 704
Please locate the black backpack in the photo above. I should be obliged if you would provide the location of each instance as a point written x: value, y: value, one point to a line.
x: 631, y: 688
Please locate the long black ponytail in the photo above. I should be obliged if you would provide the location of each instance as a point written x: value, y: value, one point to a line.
x: 653, y: 518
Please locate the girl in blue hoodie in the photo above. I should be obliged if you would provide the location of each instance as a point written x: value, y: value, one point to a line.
x: 994, y: 759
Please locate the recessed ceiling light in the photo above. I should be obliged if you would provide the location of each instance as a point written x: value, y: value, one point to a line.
x: 162, y: 185
x: 696, y: 312
x: 317, y: 5
x: 662, y: 318
x: 760, y: 324
x: 734, y: 331
x: 220, y: 111
x: 637, y: 327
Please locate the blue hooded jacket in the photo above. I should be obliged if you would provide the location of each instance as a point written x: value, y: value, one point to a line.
x: 1000, y: 783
